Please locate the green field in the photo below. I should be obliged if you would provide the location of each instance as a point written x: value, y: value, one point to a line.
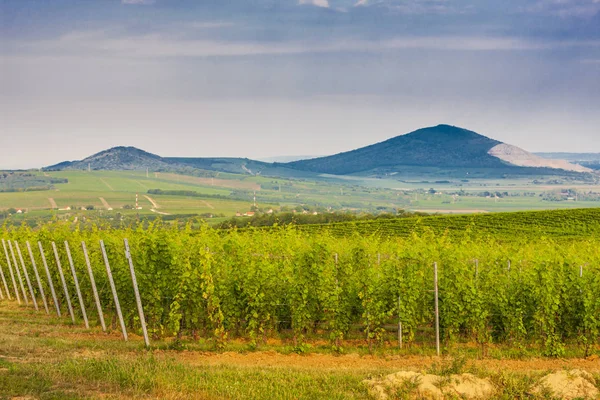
x: 224, y: 195
x: 556, y: 224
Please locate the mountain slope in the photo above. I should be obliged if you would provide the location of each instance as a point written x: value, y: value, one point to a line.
x: 439, y: 146
x: 117, y: 158
x: 134, y: 159
x: 442, y: 147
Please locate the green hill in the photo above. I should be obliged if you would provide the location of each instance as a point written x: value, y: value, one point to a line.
x: 439, y: 146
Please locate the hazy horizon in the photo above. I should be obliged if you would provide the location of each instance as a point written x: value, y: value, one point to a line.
x: 267, y: 78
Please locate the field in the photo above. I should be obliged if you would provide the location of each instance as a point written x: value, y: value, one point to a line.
x: 556, y: 224
x: 113, y: 192
x: 293, y: 313
x: 46, y: 358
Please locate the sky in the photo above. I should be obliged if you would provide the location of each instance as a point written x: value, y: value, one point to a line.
x: 265, y: 78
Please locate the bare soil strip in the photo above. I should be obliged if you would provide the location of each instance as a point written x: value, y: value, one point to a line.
x: 105, y: 203
x: 355, y: 361
x: 154, y: 204
x: 52, y: 202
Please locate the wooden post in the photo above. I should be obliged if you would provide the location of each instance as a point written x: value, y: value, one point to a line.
x: 93, y: 281
x: 26, y: 276
x: 114, y: 290
x: 77, y: 290
x: 437, y: 309
x: 136, y: 291
x: 4, y: 282
x: 64, y: 283
x: 37, y: 278
x: 49, y: 279
x: 12, y: 275
x: 581, y: 271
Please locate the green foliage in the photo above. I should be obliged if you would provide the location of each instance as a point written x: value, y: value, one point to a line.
x: 286, y: 283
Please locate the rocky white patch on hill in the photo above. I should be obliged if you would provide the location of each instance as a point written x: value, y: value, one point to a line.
x: 517, y: 156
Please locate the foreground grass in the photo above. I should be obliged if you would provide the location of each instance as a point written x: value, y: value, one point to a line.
x: 45, y: 358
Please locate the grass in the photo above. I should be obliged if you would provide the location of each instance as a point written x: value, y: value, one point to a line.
x: 45, y: 358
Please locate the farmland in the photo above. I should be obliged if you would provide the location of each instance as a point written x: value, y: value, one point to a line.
x: 112, y: 193
x: 296, y: 313
x: 284, y: 283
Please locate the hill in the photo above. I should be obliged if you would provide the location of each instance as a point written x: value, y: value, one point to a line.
x: 443, y: 151
x: 441, y: 146
x: 133, y: 159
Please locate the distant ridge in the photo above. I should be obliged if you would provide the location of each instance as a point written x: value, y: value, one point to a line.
x: 442, y: 150
x: 441, y: 146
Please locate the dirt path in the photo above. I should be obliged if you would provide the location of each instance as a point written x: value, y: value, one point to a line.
x: 105, y: 203
x: 207, y: 204
x: 52, y: 202
x: 154, y: 204
x: 355, y: 361
x: 107, y: 185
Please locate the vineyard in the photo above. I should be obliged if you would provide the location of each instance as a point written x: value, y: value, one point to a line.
x: 302, y: 286
x: 559, y: 224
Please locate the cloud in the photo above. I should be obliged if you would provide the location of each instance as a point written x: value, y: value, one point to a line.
x: 157, y: 45
x: 317, y: 3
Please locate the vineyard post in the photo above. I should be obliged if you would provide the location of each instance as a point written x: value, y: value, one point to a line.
x: 49, y: 279
x: 4, y: 281
x: 77, y: 290
x: 64, y: 282
x: 581, y: 271
x: 94, y: 289
x: 399, y: 323
x: 26, y: 273
x: 12, y: 275
x: 18, y: 270
x: 114, y: 290
x: 37, y: 278
x: 136, y: 291
x: 1, y: 294
x: 437, y: 309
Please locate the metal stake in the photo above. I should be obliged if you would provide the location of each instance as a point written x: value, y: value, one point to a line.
x: 77, y: 290
x: 437, y: 310
x: 138, y: 299
x: 114, y: 290
x: 49, y: 280
x: 64, y: 283
x: 95, y: 291
x: 399, y: 324
x: 37, y: 278
x: 26, y: 276
x: 5, y: 284
x: 12, y: 275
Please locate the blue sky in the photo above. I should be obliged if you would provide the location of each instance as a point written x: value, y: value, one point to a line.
x: 259, y: 78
